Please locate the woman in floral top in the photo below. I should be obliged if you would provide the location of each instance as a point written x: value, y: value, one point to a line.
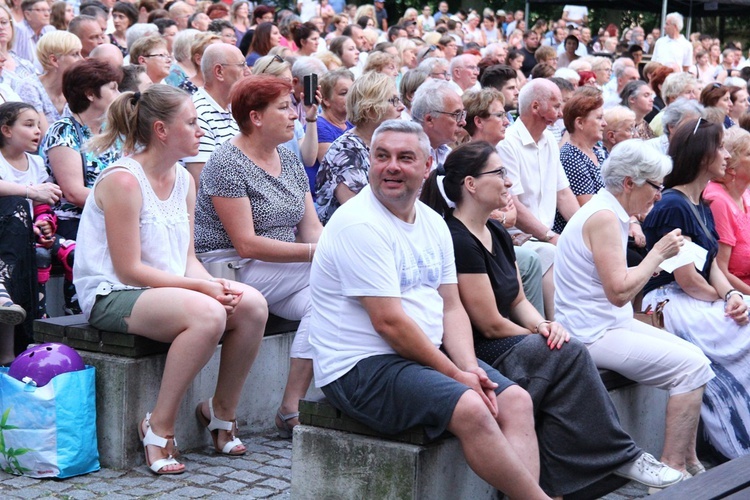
x: 371, y: 100
x: 89, y: 88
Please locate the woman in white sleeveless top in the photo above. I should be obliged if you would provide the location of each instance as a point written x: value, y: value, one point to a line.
x: 594, y: 288
x: 137, y: 272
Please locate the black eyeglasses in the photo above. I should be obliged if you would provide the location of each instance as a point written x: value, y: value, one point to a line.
x: 500, y: 172
x: 276, y: 58
x: 394, y: 100
x: 659, y: 187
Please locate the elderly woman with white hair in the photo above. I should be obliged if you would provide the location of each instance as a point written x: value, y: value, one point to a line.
x: 182, y: 67
x: 681, y: 109
x: 620, y: 122
x: 594, y: 288
x: 676, y: 85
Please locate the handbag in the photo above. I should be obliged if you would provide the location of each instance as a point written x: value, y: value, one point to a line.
x: 49, y: 431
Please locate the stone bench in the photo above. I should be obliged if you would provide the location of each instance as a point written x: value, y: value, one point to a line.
x: 128, y: 375
x: 335, y: 456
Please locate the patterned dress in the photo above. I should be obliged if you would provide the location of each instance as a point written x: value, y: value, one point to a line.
x: 63, y: 133
x: 584, y: 175
x: 347, y: 162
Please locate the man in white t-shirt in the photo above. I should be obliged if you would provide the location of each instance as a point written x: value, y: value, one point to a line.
x: 674, y: 49
x: 222, y: 65
x: 385, y: 300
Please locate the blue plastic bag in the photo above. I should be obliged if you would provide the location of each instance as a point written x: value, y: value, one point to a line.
x: 49, y: 431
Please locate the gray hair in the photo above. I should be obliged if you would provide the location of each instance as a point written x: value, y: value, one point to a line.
x: 679, y: 21
x: 460, y: 62
x: 735, y: 81
x: 428, y: 65
x: 409, y: 84
x: 141, y: 30
x: 631, y: 159
x: 538, y: 89
x: 675, y: 84
x: 430, y: 97
x: 492, y: 48
x: 674, y: 113
x: 304, y: 66
x: 567, y: 74
x: 181, y: 44
x: 631, y: 89
x: 618, y: 67
x: 404, y: 127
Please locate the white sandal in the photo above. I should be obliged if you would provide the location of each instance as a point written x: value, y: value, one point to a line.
x: 150, y: 439
x: 215, y: 425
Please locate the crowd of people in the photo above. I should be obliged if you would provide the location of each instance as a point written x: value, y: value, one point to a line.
x: 172, y: 157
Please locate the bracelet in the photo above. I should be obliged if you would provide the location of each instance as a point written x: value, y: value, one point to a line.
x: 311, y: 121
x: 636, y: 221
x: 731, y: 292
x: 536, y: 330
x: 309, y: 252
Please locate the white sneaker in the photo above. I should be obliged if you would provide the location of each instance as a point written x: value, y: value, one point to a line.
x: 649, y: 471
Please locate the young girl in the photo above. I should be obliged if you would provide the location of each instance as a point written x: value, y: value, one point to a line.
x: 137, y: 268
x: 19, y: 138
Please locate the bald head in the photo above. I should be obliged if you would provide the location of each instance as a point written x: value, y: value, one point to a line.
x: 107, y: 53
x: 222, y: 65
x: 538, y: 90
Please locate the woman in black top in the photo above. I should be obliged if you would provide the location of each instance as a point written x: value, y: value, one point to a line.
x: 580, y: 438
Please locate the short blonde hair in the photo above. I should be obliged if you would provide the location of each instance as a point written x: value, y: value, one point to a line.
x: 199, y: 44
x: 59, y: 43
x: 270, y: 65
x: 737, y: 143
x: 377, y: 61
x: 477, y: 103
x: 367, y: 100
x: 145, y: 45
x: 12, y: 27
x: 331, y: 60
x: 616, y: 115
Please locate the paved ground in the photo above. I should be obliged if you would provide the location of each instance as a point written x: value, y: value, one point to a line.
x: 265, y: 472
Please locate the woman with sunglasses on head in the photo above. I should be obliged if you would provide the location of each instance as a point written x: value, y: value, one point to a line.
x: 704, y: 308
x: 371, y: 100
x: 580, y: 438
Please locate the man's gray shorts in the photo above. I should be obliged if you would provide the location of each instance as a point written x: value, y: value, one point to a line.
x: 391, y: 394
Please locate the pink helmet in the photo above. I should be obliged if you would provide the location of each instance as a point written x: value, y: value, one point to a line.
x: 43, y: 362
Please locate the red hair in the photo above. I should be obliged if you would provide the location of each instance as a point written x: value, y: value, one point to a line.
x: 255, y: 93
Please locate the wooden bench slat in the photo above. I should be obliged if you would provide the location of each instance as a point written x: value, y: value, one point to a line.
x: 731, y: 478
